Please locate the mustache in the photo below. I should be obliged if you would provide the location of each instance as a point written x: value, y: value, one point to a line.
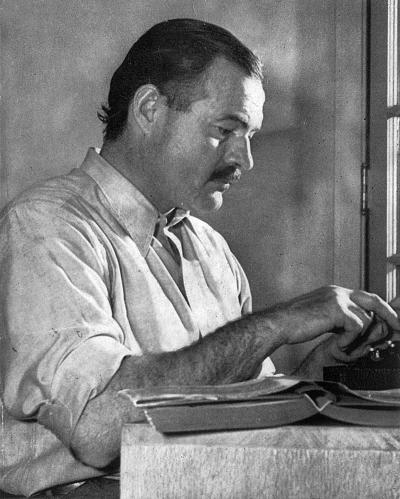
x: 229, y: 174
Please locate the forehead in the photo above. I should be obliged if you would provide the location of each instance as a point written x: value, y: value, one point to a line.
x: 230, y: 91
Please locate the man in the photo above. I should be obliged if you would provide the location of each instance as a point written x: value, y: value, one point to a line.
x: 111, y: 284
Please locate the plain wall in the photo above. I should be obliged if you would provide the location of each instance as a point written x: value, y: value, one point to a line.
x: 286, y: 220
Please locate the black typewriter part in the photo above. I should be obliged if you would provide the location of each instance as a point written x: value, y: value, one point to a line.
x: 387, y: 357
x: 378, y: 370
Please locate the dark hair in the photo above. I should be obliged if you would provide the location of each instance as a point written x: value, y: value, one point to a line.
x: 172, y: 55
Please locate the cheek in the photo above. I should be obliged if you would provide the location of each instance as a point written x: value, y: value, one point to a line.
x: 210, y: 152
x: 195, y: 161
x: 212, y: 143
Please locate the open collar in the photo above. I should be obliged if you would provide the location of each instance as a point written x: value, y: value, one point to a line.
x: 131, y: 208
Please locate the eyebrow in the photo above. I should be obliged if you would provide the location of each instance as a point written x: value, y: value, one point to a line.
x: 235, y: 117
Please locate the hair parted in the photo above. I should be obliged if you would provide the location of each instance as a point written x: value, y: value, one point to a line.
x: 172, y: 55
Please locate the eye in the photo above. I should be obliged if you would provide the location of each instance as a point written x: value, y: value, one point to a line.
x: 223, y: 131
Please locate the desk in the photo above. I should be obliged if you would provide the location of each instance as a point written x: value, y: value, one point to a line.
x: 321, y: 460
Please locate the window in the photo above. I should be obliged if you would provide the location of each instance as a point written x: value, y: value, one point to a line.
x: 383, y: 234
x: 393, y: 122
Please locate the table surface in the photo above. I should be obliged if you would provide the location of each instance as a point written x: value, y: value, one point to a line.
x: 320, y: 459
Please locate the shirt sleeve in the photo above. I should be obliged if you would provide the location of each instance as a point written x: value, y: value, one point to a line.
x: 60, y: 343
x: 243, y: 286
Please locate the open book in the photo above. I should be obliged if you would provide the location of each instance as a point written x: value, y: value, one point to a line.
x: 263, y: 403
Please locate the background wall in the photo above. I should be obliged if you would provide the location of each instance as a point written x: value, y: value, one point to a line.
x: 293, y: 221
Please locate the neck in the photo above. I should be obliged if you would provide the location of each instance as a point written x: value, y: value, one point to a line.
x: 135, y: 167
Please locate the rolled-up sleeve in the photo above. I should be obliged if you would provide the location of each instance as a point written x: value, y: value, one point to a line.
x: 60, y: 343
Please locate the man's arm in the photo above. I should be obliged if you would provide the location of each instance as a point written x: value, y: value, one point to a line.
x: 232, y: 353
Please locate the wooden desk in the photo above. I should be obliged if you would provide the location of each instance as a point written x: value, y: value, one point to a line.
x: 300, y: 461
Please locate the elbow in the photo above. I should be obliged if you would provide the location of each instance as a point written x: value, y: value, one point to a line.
x: 95, y: 458
x: 93, y: 447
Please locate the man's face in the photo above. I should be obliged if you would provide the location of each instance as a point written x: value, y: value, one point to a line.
x: 204, y: 150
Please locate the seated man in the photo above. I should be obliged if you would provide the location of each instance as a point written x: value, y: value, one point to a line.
x: 110, y: 284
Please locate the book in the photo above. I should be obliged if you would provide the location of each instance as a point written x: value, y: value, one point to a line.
x: 262, y: 403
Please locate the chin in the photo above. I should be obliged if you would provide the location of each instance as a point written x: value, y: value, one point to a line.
x: 209, y: 203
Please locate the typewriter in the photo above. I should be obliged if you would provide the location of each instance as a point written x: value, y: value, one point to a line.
x: 378, y: 370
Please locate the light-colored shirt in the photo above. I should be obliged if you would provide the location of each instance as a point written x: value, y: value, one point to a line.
x: 85, y: 282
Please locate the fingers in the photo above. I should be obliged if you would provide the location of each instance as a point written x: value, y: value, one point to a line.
x: 374, y: 303
x: 356, y: 323
x: 348, y: 349
x: 349, y: 356
x: 379, y: 332
x: 361, y: 318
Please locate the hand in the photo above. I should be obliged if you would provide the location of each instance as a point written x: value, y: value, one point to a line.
x: 375, y: 336
x: 332, y: 308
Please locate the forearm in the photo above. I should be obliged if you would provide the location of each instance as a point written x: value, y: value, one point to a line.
x: 232, y: 353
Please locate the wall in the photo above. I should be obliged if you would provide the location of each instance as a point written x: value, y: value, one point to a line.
x: 293, y: 221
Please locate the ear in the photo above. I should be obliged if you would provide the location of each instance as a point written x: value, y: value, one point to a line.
x: 145, y: 105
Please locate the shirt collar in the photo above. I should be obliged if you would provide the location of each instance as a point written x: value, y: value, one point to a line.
x: 132, y: 209
x: 174, y: 216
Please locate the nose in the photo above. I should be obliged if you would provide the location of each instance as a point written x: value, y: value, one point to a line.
x: 239, y: 152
